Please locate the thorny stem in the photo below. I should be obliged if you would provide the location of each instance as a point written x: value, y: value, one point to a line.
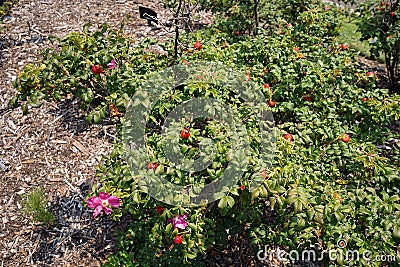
x: 178, y: 10
x: 256, y: 2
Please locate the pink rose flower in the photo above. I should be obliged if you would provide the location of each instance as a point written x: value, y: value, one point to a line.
x: 178, y: 221
x: 103, y: 202
x: 112, y: 64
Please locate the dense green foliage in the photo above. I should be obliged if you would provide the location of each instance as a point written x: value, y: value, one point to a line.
x: 321, y: 188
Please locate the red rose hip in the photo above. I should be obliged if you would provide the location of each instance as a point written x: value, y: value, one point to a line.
x: 152, y: 166
x: 97, y: 69
x: 308, y: 98
x: 178, y: 239
x: 288, y: 137
x: 159, y: 210
x: 370, y: 74
x: 185, y: 134
x: 345, y: 138
x: 198, y: 45
x: 271, y: 103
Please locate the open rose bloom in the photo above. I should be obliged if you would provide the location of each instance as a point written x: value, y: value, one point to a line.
x: 112, y: 64
x: 178, y: 221
x: 103, y: 202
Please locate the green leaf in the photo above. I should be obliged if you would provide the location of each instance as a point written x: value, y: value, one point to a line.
x: 97, y: 117
x: 223, y: 202
x: 24, y: 108
x: 396, y: 231
x: 230, y: 201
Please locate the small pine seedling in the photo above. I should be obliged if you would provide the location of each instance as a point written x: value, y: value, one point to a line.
x: 34, y: 204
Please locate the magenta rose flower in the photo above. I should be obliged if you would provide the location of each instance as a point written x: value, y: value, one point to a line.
x: 112, y: 64
x: 178, y: 221
x: 103, y: 202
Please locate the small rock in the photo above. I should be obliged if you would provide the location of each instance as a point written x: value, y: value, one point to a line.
x: 10, y: 201
x: 5, y: 220
x: 20, y: 192
x: 11, y: 124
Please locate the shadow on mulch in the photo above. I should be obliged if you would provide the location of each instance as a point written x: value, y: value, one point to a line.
x: 7, y: 42
x: 73, y: 120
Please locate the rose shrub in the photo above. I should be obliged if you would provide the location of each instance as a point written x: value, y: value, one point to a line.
x: 330, y: 180
x: 380, y: 24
